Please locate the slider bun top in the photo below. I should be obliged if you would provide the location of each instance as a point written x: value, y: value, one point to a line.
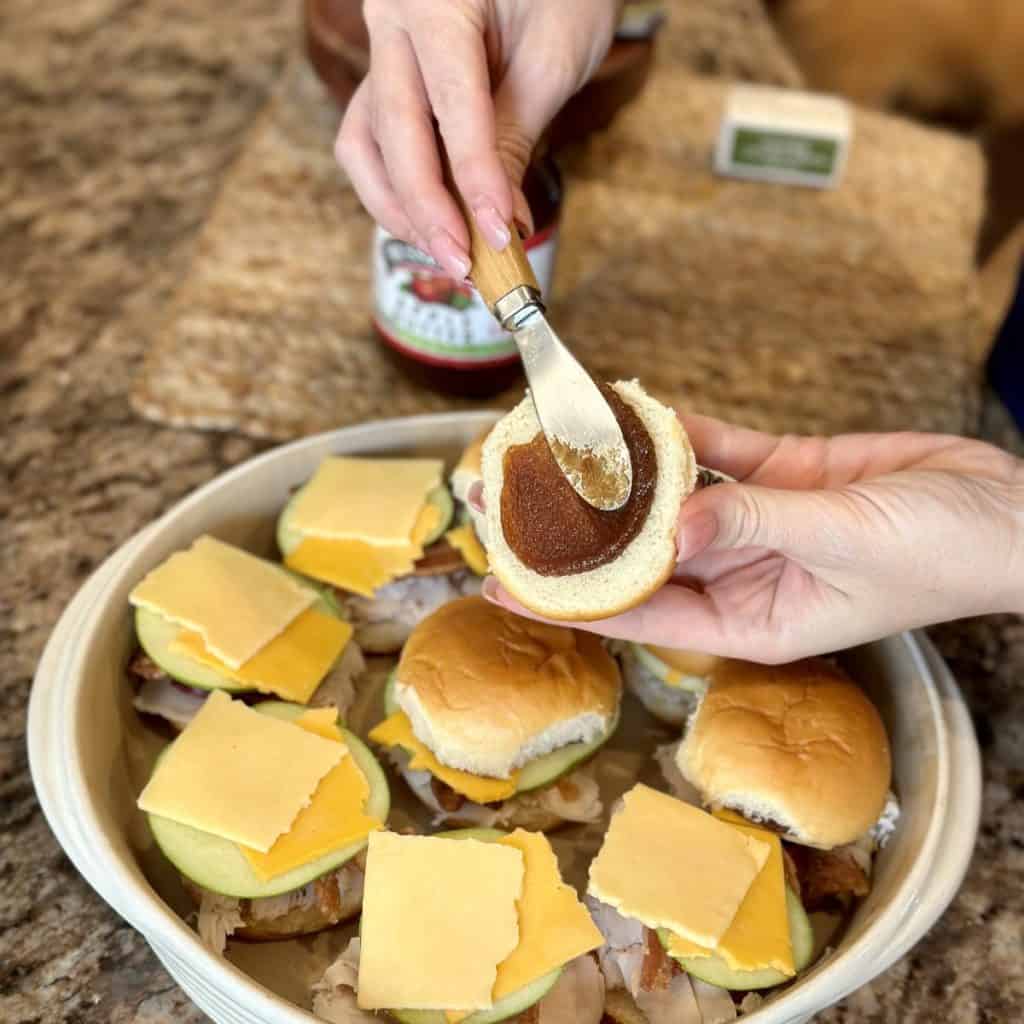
x: 487, y: 690
x: 647, y: 561
x: 799, y: 745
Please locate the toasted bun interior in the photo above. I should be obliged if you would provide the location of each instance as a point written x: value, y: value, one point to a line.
x: 799, y: 745
x: 645, y: 563
x: 487, y: 690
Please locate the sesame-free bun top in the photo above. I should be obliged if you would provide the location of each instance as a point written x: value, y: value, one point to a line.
x: 799, y: 745
x: 487, y: 690
x: 644, y: 564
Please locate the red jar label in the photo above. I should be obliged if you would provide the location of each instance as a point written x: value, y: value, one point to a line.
x: 423, y: 313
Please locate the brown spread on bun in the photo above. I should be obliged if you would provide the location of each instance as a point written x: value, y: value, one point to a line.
x: 573, y: 536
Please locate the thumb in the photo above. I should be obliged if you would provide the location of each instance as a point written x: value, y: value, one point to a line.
x: 732, y: 516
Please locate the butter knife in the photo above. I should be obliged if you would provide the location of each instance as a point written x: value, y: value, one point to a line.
x: 581, y: 430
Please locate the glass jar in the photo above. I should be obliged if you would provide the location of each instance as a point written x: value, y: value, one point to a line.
x: 439, y: 331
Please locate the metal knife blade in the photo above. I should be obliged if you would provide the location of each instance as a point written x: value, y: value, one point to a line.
x: 582, y: 432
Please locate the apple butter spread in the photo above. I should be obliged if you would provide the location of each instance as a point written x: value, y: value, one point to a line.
x: 550, y: 527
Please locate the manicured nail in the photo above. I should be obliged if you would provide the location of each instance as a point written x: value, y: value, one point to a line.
x: 475, y: 496
x: 491, y: 226
x: 449, y: 254
x: 696, y: 534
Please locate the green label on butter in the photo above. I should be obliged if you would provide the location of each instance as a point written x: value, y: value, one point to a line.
x: 804, y: 154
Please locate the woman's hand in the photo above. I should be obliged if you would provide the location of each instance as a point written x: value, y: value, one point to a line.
x: 493, y: 73
x: 829, y: 543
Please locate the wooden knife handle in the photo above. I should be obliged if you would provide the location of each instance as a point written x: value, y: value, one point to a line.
x: 493, y: 273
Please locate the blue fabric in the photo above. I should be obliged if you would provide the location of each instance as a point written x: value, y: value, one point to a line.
x: 1006, y: 361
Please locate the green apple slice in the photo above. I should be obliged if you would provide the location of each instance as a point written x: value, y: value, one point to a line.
x: 715, y: 971
x: 218, y: 865
x: 541, y: 771
x: 157, y: 634
x: 512, y: 1004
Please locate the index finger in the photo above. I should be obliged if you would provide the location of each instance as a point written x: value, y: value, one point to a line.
x: 674, y: 616
x: 452, y: 56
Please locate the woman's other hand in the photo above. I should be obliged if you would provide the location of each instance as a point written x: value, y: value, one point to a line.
x: 827, y: 543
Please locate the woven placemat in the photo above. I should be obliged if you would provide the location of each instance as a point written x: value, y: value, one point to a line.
x: 783, y: 308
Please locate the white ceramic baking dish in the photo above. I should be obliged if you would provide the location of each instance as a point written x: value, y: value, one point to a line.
x: 86, y: 746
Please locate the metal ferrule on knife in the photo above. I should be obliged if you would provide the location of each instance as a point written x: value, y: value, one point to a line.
x: 514, y: 306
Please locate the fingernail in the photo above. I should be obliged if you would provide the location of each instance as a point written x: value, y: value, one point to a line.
x: 489, y: 589
x: 475, y: 496
x: 449, y: 254
x: 696, y: 534
x: 491, y: 225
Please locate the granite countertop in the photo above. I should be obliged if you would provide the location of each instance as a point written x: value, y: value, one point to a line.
x: 117, y: 119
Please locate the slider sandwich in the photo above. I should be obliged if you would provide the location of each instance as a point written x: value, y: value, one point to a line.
x: 557, y: 555
x: 695, y: 909
x: 489, y: 717
x: 474, y: 927
x: 215, y: 617
x: 800, y: 750
x: 265, y: 813
x: 379, y: 532
x: 795, y: 760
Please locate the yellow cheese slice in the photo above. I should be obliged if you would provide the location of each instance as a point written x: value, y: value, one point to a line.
x: 759, y: 934
x: 374, y: 500
x: 335, y: 817
x: 239, y: 774
x: 464, y: 539
x: 397, y: 731
x: 670, y: 865
x: 427, y: 521
x: 554, y: 927
x: 323, y: 722
x: 292, y: 665
x: 438, y: 918
x: 236, y: 601
x: 352, y: 565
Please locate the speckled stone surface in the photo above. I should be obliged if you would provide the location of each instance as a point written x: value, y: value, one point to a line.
x: 117, y: 121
